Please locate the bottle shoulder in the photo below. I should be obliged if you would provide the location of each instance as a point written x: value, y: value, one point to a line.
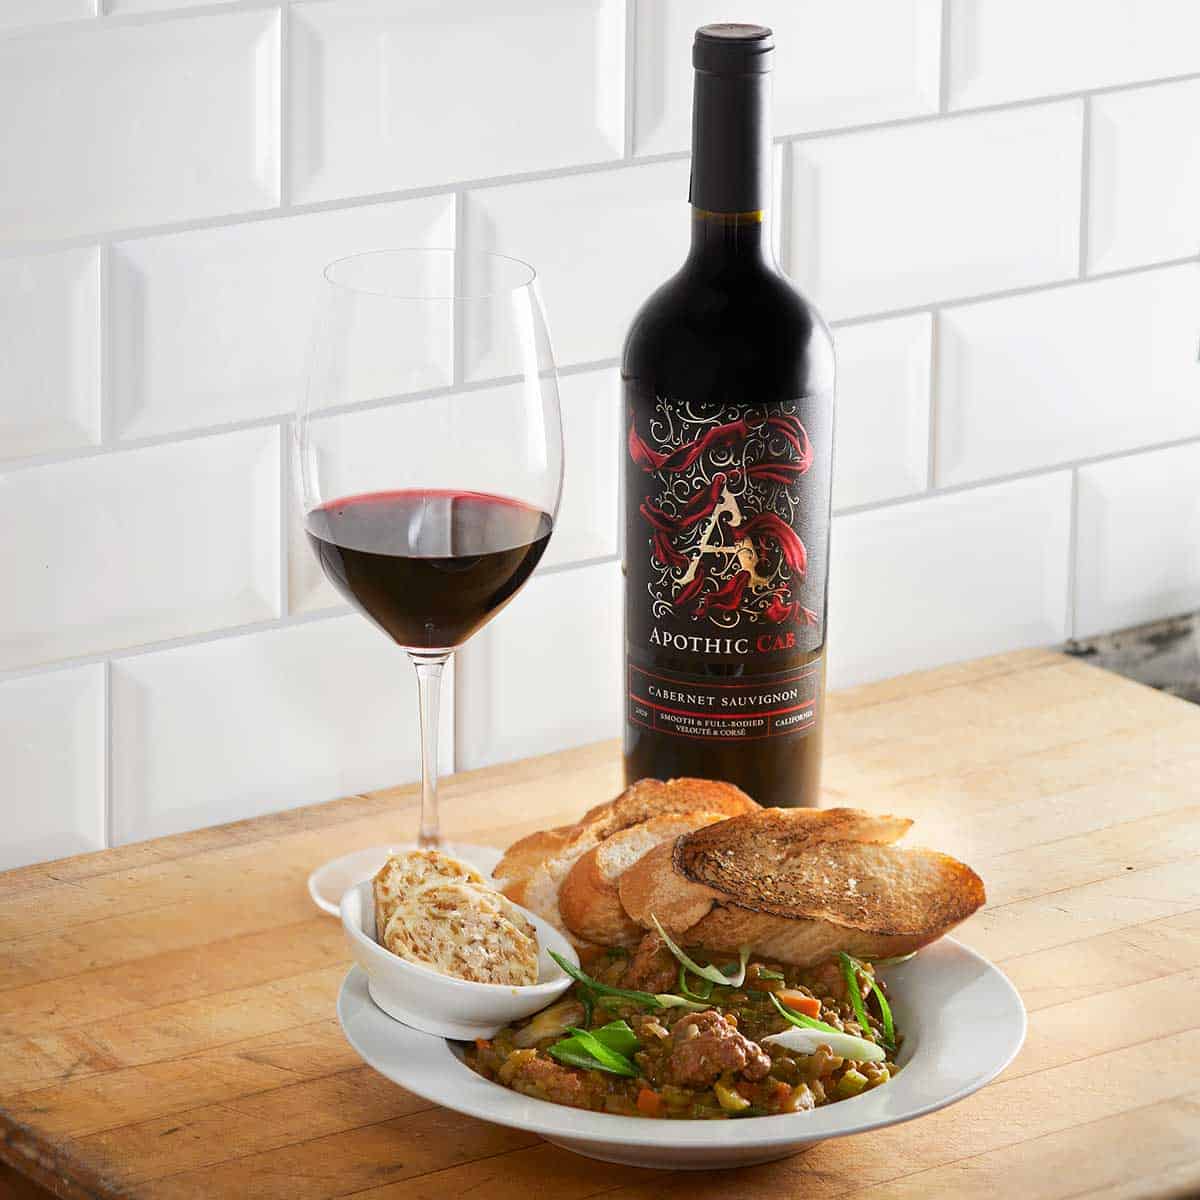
x: 750, y: 331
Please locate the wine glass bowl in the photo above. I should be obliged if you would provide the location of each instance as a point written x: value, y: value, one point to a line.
x: 428, y: 451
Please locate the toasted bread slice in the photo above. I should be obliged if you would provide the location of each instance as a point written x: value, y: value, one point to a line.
x: 538, y: 889
x: 588, y: 899
x: 524, y: 856
x: 466, y: 931
x: 800, y: 884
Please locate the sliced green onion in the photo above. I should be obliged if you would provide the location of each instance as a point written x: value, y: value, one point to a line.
x: 684, y: 990
x: 608, y: 1058
x: 763, y: 973
x: 715, y: 974
x: 645, y: 999
x: 576, y: 1052
x: 850, y: 968
x: 799, y: 1019
x: 617, y: 1035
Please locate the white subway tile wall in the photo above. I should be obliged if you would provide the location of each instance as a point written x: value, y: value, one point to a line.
x: 52, y: 735
x: 1016, y: 296
x: 893, y: 218
x: 976, y: 572
x: 1139, y: 540
x: 49, y: 352
x: 1145, y: 176
x: 107, y: 126
x: 882, y: 424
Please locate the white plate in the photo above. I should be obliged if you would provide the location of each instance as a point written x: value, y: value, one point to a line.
x: 963, y: 1023
x: 330, y: 881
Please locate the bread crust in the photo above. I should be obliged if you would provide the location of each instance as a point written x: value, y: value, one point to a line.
x: 533, y: 869
x: 589, y: 899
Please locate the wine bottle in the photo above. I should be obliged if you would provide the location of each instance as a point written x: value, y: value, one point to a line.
x: 727, y: 381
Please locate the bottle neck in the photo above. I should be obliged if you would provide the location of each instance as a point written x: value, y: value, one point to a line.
x: 731, y: 167
x: 728, y: 240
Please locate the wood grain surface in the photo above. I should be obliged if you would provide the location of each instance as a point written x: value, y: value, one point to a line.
x: 166, y: 1009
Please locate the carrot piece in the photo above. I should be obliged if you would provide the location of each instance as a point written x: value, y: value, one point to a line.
x: 649, y: 1103
x: 808, y: 1006
x: 482, y: 1043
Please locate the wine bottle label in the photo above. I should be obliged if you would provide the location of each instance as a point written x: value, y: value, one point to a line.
x: 726, y: 556
x: 699, y: 708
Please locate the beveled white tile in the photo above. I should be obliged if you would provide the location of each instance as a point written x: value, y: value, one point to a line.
x: 827, y: 73
x: 49, y: 352
x: 399, y: 95
x: 265, y: 721
x: 111, y: 126
x: 601, y: 242
x: 897, y: 217
x: 882, y: 432
x: 1144, y: 204
x: 1011, y: 49
x: 546, y: 674
x: 1138, y: 555
x: 215, y: 325
x: 52, y: 741
x: 586, y: 527
x: 17, y: 13
x: 119, y: 549
x: 1056, y: 376
x: 949, y: 577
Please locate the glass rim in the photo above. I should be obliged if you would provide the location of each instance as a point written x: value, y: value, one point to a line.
x: 417, y: 252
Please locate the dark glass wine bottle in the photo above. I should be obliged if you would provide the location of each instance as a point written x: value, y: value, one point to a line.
x: 728, y: 393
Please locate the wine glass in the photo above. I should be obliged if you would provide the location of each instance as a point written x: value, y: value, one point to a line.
x: 428, y: 461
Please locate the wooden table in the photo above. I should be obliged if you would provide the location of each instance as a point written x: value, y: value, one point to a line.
x: 166, y: 1009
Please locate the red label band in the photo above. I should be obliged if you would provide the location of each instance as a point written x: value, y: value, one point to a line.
x: 734, y: 711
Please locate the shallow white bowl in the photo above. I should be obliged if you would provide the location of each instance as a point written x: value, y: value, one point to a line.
x: 963, y: 1023
x: 439, y: 1004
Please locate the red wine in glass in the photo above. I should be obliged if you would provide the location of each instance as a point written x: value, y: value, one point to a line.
x: 429, y: 567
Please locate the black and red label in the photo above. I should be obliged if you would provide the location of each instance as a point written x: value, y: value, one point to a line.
x: 727, y: 523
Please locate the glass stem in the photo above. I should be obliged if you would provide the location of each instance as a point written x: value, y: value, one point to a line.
x: 429, y: 691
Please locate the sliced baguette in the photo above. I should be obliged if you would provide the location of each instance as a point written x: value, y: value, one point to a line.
x: 799, y: 885
x: 466, y: 931
x: 537, y: 887
x: 524, y: 856
x: 588, y: 899
x: 410, y: 871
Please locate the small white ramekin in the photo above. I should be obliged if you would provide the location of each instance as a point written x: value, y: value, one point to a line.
x: 439, y: 1004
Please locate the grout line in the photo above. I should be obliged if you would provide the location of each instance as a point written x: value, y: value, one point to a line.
x: 1085, y: 186
x: 458, y: 350
x: 121, y: 653
x: 558, y: 568
x: 104, y: 333
x: 103, y: 19
x: 177, y: 436
x: 630, y: 74
x: 284, y: 126
x: 1028, y: 289
x: 786, y: 214
x: 934, y: 399
x: 953, y: 489
x: 106, y: 796
x: 1073, y: 556
x: 250, y: 216
x: 285, y: 514
x: 944, y: 60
